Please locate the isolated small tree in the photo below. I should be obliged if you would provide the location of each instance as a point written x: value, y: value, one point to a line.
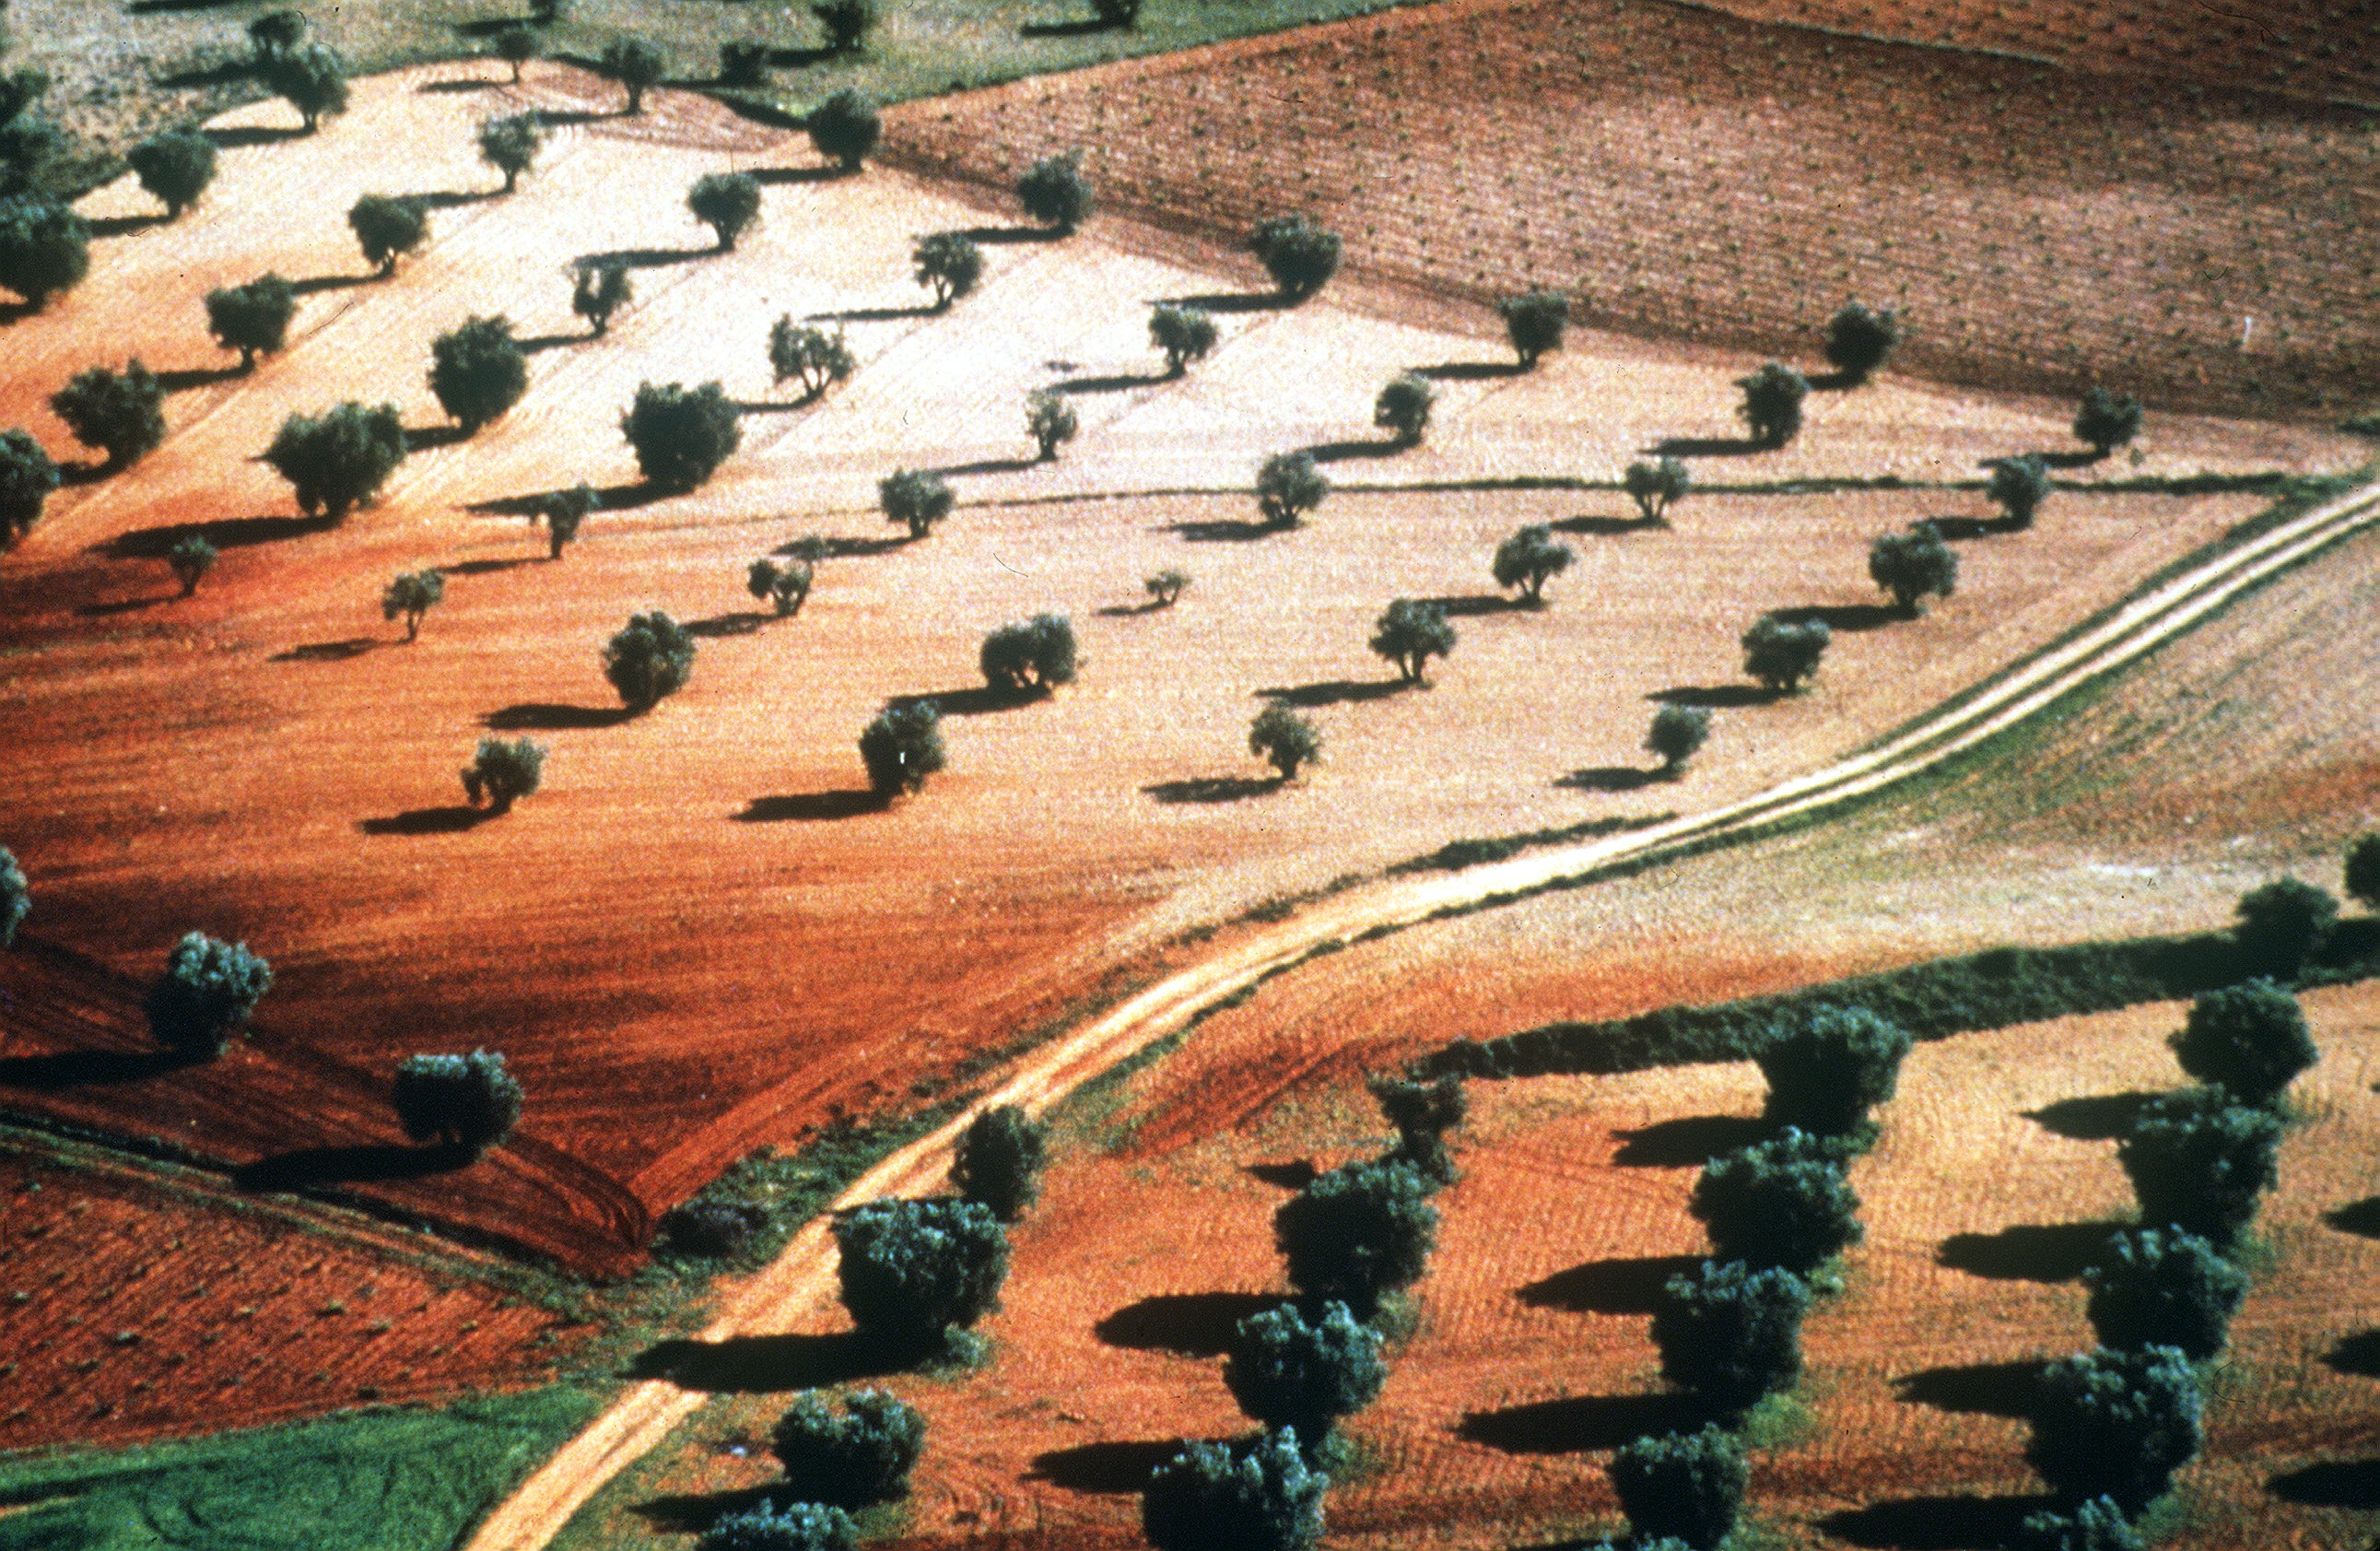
x: 2115, y: 1424
x: 275, y: 34
x: 516, y: 45
x: 1049, y: 417
x: 1772, y: 403
x: 1782, y: 655
x: 1409, y: 633
x: 1676, y: 734
x: 845, y: 129
x: 190, y: 558
x: 1829, y: 1068
x: 252, y: 319
x: 2018, y: 486
x: 469, y: 1102
x: 852, y: 1458
x: 1730, y: 1335
x: 1257, y: 1495
x: 2249, y: 1040
x: 1165, y: 586
x: 648, y: 660
x: 949, y: 264
x: 599, y: 291
x: 510, y: 144
x: 410, y: 595
x: 207, y: 992
x: 1357, y: 1234
x: 1686, y: 1487
x: 175, y: 167
x: 744, y: 62
x: 2199, y: 1163
x: 2096, y: 1524
x: 2164, y: 1288
x: 338, y: 460
x: 901, y: 747
x: 1185, y: 334
x: 1402, y: 409
x: 27, y: 477
x: 2362, y: 874
x: 1783, y: 1202
x: 1299, y: 255
x: 1288, y: 1372
x: 477, y: 371
x: 916, y: 498
x: 1534, y: 321
x: 313, y: 80
x: 2282, y: 926
x: 1860, y: 339
x: 23, y: 87
x: 386, y: 228
x: 123, y: 415
x: 45, y: 249
x: 786, y: 1527
x: 502, y: 771
x: 1911, y: 566
x: 15, y: 898
x: 1288, y: 486
x: 810, y: 356
x: 545, y: 13
x: 912, y: 1270
x: 728, y: 203
x: 1284, y: 739
x: 997, y: 1163
x: 1053, y: 192
x: 681, y: 438
x: 564, y: 512
x: 1117, y: 13
x: 1528, y: 558
x: 784, y: 584
x: 1656, y: 487
x: 637, y: 64
x: 2107, y: 420
x: 847, y: 23
x: 32, y: 151
x: 1422, y: 1113
x: 1030, y: 656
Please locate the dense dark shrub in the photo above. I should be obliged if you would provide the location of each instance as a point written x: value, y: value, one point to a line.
x: 728, y: 203
x: 1030, y: 656
x: 681, y: 438
x: 949, y: 264
x: 1402, y: 409
x: 911, y: 1270
x: 1165, y: 586
x: 2249, y: 1040
x: 45, y: 249
x: 1049, y: 417
x: 1259, y: 1495
x: 1912, y: 565
x: 2018, y: 486
x: 648, y: 660
x: 2281, y: 924
x: 477, y: 371
x: 845, y: 129
x: 1299, y: 255
x: 847, y: 23
x: 599, y: 291
x: 1771, y: 409
x: 252, y: 319
x: 190, y: 558
x: 704, y: 1229
x: 1528, y: 558
x: 915, y: 498
x: 176, y: 166
x: 32, y: 153
x: 19, y: 88
x: 2200, y: 1162
x: 902, y: 747
x: 469, y: 1102
x: 504, y: 771
x: 1781, y: 1203
x: 2095, y: 1525
x: 516, y: 45
x: 783, y: 585
x: 636, y: 65
x: 386, y: 228
x: 1284, y: 739
x: 1655, y: 487
x: 411, y: 594
x: 1422, y: 1112
x: 1053, y: 192
x: 1409, y: 633
x: 1286, y: 1370
x: 1676, y: 734
x: 338, y: 460
x: 1288, y: 486
x: 510, y: 144
x: 27, y: 477
x: 783, y: 1527
x: 208, y: 991
x: 1357, y: 1234
x: 2107, y: 420
x: 2164, y: 1288
x: 854, y: 1458
x: 276, y: 34
x: 1687, y: 1486
x: 1730, y: 1334
x: 564, y: 512
x: 997, y: 1163
x: 1534, y: 321
x: 1185, y: 334
x: 744, y: 62
x: 1860, y: 339
x: 810, y: 356
x: 1828, y: 1070
x: 313, y: 80
x: 2115, y: 1424
x: 1784, y: 654
x: 15, y: 896
x: 123, y: 415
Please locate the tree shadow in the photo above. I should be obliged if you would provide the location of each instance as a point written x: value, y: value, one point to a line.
x: 2334, y: 1483
x: 1115, y: 383
x: 126, y: 606
x: 76, y: 1068
x: 1212, y: 789
x: 1084, y: 28
x: 1844, y: 619
x: 1129, y: 611
x: 641, y: 258
x: 538, y: 344
x: 228, y: 533
x: 742, y: 622
x: 1958, y: 528
x: 1936, y: 1523
x: 2081, y: 459
x: 1687, y: 1143
x: 1705, y: 446
x: 1117, y: 1466
x: 1186, y: 1324
x: 1335, y: 692
x: 1230, y: 301
x: 798, y: 58
x: 2358, y: 1354
x: 73, y: 474
x: 330, y: 283
x: 2362, y: 1217
x: 1607, y: 1287
x: 990, y: 466
x: 540, y: 716
x: 848, y: 549
x: 763, y: 1364
x: 1470, y: 605
x: 242, y: 136
x: 466, y: 84
x: 693, y: 1513
x: 1577, y: 1424
x: 332, y: 1165
x: 980, y: 700
x: 1608, y: 527
x: 2028, y: 1253
x: 329, y: 650
x: 1469, y: 371
x: 15, y: 311
x: 431, y: 436
x: 227, y: 73
x: 489, y: 567
x: 874, y: 314
x: 1340, y: 452
x: 562, y: 119
x: 151, y: 7
x: 1608, y: 777
x: 198, y: 376
x: 1975, y: 1388
x: 1224, y: 532
x: 2098, y: 1118
x: 1294, y: 1175
x: 1714, y: 696
x: 452, y: 820
x: 447, y: 199
x: 812, y: 807
x: 121, y: 225
x: 1000, y: 236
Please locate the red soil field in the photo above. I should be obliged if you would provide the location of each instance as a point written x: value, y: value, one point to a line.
x: 1693, y: 174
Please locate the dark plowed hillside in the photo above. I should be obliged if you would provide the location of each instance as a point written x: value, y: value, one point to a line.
x: 1693, y: 173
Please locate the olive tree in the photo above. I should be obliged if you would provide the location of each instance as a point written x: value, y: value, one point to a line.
x: 1165, y: 586
x: 1910, y: 565
x: 916, y: 498
x: 516, y: 45
x: 477, y: 371
x: 637, y: 64
x: 948, y: 265
x: 1771, y: 409
x: 252, y: 319
x: 1860, y: 339
x: 1409, y: 633
x: 785, y: 584
x: 275, y: 35
x: 2249, y: 1040
x: 852, y: 1458
x: 1422, y: 1113
x: 1049, y: 418
x: 123, y: 414
x: 1656, y: 487
x: 190, y: 558
x: 1534, y: 321
x: 901, y: 747
x: 1284, y: 739
x: 1783, y: 1203
x: 1829, y: 1068
x: 338, y: 460
x: 1357, y: 1234
x: 176, y: 166
x: 744, y: 62
x: 386, y: 228
x: 913, y: 1271
x: 1185, y: 334
x: 997, y: 1163
x: 1528, y: 558
x: 2199, y: 1163
x: 2018, y: 486
x: 209, y: 989
x: 728, y: 203
x: 845, y: 129
x: 847, y: 23
x: 313, y: 80
x: 1685, y: 1486
x: 2163, y: 1287
x: 1053, y: 192
x: 1676, y: 734
x: 411, y: 594
x: 564, y: 512
x: 1259, y: 1494
x: 786, y: 1527
x: 2093, y: 1524
x: 471, y: 1101
x: 2115, y: 1424
x: 599, y: 290
x: 810, y: 356
x: 510, y: 144
x: 2105, y: 421
x: 1289, y: 1372
x: 502, y: 771
x: 649, y: 659
x: 2282, y: 926
x: 1117, y: 13
x: 1784, y: 654
x: 2361, y: 874
x: 681, y: 437
x: 1030, y: 656
x: 1288, y: 486
x: 1402, y: 409
x: 15, y: 898
x: 1299, y: 255
x: 1730, y: 1334
x: 27, y: 477
x: 44, y: 247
